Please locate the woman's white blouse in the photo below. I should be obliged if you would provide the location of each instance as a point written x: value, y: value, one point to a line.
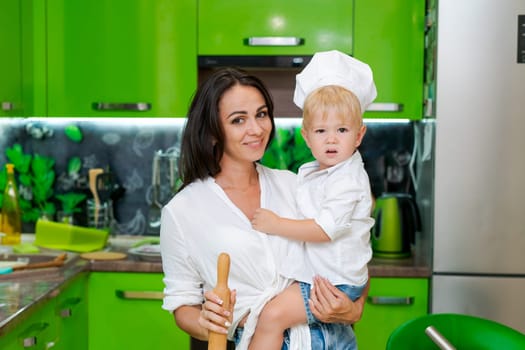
x: 201, y: 222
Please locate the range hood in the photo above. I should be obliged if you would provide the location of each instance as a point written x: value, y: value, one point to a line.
x: 253, y: 61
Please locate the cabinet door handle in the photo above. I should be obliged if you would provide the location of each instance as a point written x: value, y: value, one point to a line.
x: 112, y: 106
x: 385, y: 107
x: 7, y: 106
x: 385, y: 300
x: 33, y: 331
x: 66, y: 308
x: 274, y: 41
x: 147, y: 295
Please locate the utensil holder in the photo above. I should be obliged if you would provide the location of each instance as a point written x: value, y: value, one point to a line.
x: 101, y: 216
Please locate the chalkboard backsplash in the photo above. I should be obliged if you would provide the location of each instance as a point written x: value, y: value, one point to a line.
x: 126, y: 147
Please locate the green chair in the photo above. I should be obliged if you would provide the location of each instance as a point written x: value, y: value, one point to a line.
x: 462, y: 331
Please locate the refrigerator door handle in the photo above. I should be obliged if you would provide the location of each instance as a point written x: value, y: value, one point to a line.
x: 387, y: 300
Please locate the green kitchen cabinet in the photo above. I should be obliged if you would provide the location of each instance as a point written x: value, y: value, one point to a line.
x: 38, y: 331
x: 120, y: 58
x: 125, y: 313
x: 8, y: 341
x: 390, y: 303
x: 389, y: 36
x: 10, y: 59
x: 58, y: 322
x: 273, y: 27
x: 71, y: 311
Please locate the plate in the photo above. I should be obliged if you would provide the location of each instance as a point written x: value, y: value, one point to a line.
x: 147, y: 252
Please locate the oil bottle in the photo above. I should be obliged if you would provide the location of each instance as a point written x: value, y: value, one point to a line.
x: 10, y: 221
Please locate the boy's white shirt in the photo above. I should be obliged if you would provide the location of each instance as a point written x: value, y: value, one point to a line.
x: 339, y: 200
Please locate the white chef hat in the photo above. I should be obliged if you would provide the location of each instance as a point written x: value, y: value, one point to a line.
x: 336, y: 68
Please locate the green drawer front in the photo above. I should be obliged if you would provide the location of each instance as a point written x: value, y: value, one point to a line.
x: 391, y: 302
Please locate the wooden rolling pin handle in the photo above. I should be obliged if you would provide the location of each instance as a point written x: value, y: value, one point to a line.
x: 58, y: 261
x: 218, y: 341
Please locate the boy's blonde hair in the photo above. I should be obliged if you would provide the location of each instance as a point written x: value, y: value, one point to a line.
x: 332, y: 97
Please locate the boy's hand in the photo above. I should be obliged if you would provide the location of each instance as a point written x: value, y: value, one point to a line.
x: 265, y: 220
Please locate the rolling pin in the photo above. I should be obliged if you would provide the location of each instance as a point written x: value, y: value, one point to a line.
x: 58, y: 261
x: 218, y: 341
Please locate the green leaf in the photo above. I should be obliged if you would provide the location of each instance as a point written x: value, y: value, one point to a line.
x: 41, y: 165
x: 25, y: 180
x: 16, y: 156
x: 73, y: 133
x: 74, y: 165
x: 49, y: 209
x: 24, y: 204
x: 70, y: 201
x: 31, y: 215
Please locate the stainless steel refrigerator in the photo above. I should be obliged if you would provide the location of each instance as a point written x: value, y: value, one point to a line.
x: 479, y: 188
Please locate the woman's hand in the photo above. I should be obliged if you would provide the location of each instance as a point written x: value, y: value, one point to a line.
x: 330, y: 305
x: 214, y: 317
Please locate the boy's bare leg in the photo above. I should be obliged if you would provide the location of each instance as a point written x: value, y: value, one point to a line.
x: 282, y: 312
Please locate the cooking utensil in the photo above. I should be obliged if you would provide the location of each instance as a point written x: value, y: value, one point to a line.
x: 58, y: 261
x: 218, y: 341
x: 438, y: 338
x: 93, y: 187
x: 156, y: 206
x: 397, y: 221
x: 105, y: 184
x: 164, y: 176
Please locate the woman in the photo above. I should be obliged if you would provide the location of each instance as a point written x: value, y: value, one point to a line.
x: 229, y: 126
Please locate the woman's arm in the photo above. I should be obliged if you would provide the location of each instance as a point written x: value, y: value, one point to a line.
x: 330, y: 305
x: 198, y: 320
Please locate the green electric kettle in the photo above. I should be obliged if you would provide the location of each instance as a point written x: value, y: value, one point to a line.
x: 397, y: 221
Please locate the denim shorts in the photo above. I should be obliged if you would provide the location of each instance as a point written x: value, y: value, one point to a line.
x: 324, y: 336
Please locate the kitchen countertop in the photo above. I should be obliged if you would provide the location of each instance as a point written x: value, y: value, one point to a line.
x: 21, y: 292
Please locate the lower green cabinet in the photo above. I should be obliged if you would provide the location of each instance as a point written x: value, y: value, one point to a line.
x: 39, y: 331
x: 125, y: 313
x: 71, y: 310
x: 390, y: 303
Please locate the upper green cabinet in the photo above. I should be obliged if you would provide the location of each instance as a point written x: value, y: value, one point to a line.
x: 10, y: 58
x: 389, y: 36
x: 120, y: 58
x: 273, y: 27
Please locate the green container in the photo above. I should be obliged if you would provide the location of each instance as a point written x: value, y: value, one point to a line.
x: 54, y: 235
x: 462, y: 331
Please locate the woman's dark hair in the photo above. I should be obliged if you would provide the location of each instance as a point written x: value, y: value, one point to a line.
x: 202, y: 144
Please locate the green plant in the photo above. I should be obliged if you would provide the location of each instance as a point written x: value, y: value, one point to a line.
x: 35, y: 178
x: 288, y: 150
x: 70, y: 201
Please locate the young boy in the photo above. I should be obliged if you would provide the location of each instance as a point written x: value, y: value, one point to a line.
x: 333, y: 196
